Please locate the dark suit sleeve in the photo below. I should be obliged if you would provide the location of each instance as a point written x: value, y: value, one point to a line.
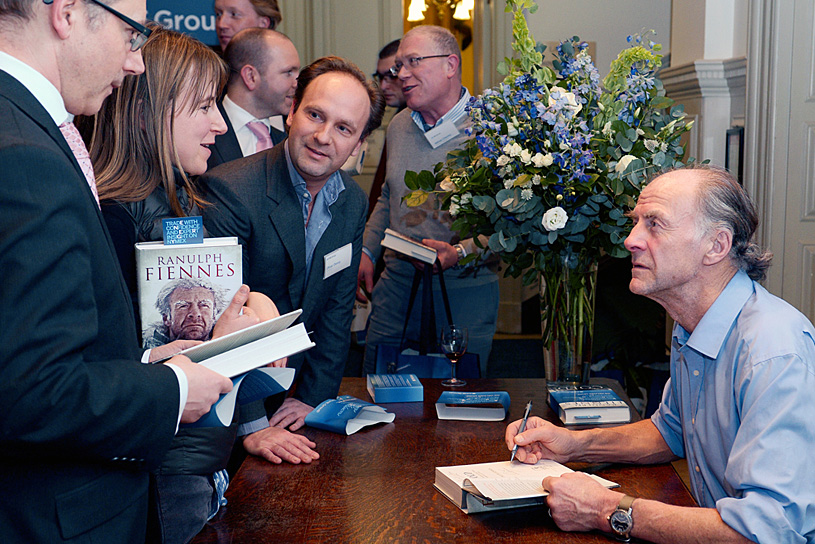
x: 325, y: 363
x: 70, y: 384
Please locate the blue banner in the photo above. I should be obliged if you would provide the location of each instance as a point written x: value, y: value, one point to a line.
x: 194, y: 18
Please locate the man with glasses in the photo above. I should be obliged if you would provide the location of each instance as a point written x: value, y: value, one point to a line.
x: 428, y: 65
x: 83, y: 419
x: 391, y: 89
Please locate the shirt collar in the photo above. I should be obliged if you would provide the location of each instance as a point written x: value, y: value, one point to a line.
x: 709, y: 335
x: 239, y: 116
x: 43, y: 90
x: 331, y: 190
x: 453, y: 114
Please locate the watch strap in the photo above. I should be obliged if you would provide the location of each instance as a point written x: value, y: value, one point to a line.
x: 625, y: 503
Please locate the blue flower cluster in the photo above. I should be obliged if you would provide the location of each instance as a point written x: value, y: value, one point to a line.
x: 578, y: 71
x: 638, y: 82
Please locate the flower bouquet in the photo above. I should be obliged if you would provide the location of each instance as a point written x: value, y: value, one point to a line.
x: 556, y: 160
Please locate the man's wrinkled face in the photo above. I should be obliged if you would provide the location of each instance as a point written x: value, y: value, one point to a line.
x: 192, y: 314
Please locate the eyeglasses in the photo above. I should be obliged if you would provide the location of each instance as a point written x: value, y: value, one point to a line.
x: 386, y: 76
x: 412, y: 62
x: 143, y: 32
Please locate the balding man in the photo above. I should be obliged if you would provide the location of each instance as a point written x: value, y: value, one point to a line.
x: 263, y: 66
x: 428, y: 64
x: 740, y: 399
x: 83, y: 419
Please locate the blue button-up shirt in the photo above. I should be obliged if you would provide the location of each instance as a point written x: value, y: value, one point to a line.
x: 321, y: 212
x: 740, y: 407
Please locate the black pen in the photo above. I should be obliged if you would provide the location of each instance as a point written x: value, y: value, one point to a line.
x: 521, y: 429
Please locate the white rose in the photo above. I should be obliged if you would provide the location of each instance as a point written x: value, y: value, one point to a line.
x: 554, y: 218
x: 453, y: 209
x: 548, y: 159
x: 526, y: 156
x: 503, y: 160
x: 447, y: 185
x: 513, y: 150
x: 571, y: 101
x: 623, y: 163
x: 466, y: 198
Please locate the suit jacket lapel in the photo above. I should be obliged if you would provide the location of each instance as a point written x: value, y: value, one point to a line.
x: 226, y: 145
x: 287, y: 218
x: 16, y: 92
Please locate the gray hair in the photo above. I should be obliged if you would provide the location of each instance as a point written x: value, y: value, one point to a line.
x: 163, y: 299
x: 724, y: 204
x: 442, y: 39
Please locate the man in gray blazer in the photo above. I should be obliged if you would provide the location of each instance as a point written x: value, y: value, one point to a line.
x: 300, y: 222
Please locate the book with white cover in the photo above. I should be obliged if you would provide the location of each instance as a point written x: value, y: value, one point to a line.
x: 484, y: 487
x: 402, y: 244
x: 252, y: 347
x: 215, y: 265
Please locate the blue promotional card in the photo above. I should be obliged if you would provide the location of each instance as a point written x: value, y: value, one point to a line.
x: 183, y: 230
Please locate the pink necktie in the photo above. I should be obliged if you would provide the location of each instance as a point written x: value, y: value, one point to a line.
x: 262, y: 132
x: 71, y: 134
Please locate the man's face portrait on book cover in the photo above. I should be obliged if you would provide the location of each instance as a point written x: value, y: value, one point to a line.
x: 192, y: 313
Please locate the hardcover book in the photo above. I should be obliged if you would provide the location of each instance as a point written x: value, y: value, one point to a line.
x: 587, y: 404
x: 407, y: 246
x: 346, y: 415
x: 484, y: 487
x: 183, y: 289
x: 395, y: 388
x: 473, y: 406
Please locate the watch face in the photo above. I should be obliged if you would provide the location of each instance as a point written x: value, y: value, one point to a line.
x: 620, y: 522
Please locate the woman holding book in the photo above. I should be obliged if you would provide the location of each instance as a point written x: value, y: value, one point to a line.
x: 150, y: 138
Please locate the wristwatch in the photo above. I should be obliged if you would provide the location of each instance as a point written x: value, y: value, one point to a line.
x: 460, y: 251
x: 621, y: 521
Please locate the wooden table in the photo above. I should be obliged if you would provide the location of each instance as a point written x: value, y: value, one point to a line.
x: 376, y: 486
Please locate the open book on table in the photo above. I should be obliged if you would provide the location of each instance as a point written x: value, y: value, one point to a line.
x: 484, y: 487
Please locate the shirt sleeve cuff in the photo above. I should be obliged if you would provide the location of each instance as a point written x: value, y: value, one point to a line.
x: 183, y: 389
x: 145, y: 358
x: 250, y: 427
x: 370, y: 255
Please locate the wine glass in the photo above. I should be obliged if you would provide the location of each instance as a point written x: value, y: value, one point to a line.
x: 453, y: 343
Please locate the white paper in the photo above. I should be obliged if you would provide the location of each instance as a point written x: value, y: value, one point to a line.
x: 337, y: 261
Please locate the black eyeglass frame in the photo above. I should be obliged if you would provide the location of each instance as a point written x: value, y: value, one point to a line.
x: 137, y: 41
x: 386, y: 75
x: 413, y: 62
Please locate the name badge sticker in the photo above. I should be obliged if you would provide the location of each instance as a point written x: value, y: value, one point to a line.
x: 442, y: 133
x: 337, y: 260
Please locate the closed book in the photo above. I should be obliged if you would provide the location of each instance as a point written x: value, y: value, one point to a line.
x: 183, y: 289
x: 484, y: 487
x: 407, y: 246
x: 587, y: 404
x: 395, y: 388
x: 473, y: 406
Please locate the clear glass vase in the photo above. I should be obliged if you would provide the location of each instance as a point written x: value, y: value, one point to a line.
x: 567, y: 286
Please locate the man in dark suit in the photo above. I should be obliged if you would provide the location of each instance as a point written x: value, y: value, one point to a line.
x: 300, y: 222
x: 83, y: 419
x: 263, y: 67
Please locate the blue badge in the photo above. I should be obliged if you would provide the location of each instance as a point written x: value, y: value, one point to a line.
x: 183, y: 230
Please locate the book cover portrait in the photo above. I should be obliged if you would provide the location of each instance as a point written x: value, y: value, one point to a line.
x: 183, y: 289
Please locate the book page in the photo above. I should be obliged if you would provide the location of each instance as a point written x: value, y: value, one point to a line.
x: 509, y: 480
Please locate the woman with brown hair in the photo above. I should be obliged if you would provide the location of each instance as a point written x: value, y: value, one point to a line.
x: 150, y: 138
